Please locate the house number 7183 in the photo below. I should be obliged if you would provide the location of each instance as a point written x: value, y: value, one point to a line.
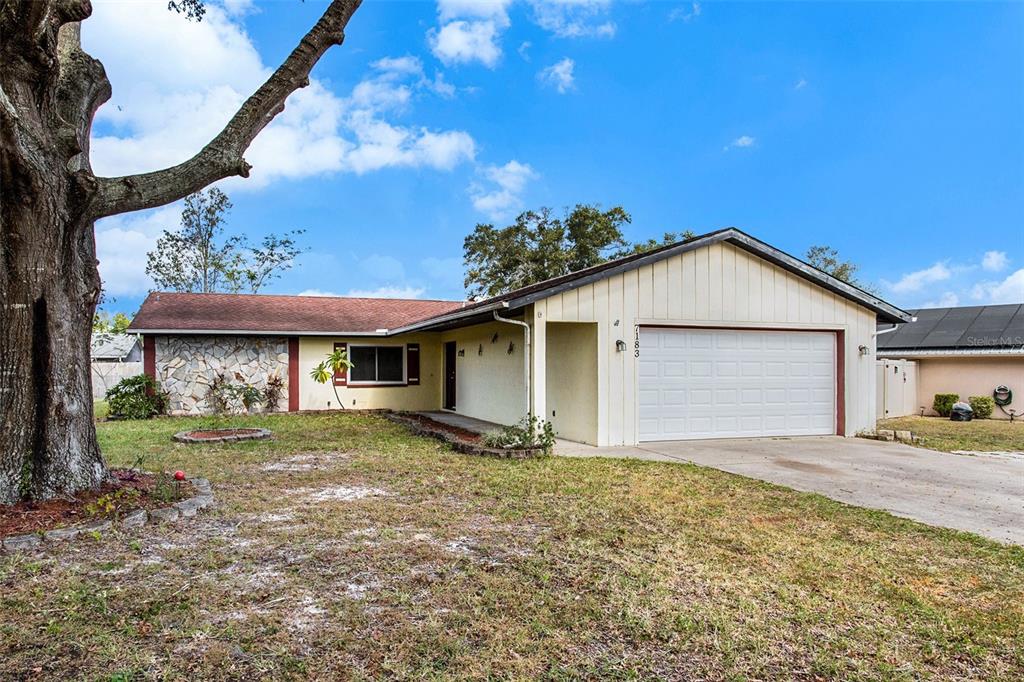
x: 636, y: 341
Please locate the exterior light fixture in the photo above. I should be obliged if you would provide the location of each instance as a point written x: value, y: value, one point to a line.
x: 620, y: 346
x: 864, y: 350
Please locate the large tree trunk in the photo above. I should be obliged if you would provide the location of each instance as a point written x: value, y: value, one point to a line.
x: 49, y: 199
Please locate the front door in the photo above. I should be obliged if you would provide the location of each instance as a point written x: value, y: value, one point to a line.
x: 449, y: 375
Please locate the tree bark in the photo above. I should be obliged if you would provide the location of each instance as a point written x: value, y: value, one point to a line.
x: 49, y: 199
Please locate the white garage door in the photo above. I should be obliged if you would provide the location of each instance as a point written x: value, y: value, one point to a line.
x: 710, y: 383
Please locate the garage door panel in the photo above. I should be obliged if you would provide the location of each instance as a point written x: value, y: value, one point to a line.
x: 730, y: 383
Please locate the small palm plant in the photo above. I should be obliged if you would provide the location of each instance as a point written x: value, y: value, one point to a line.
x: 334, y: 363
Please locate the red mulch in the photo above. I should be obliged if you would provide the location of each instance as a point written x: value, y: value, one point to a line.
x: 30, y: 517
x: 460, y: 433
x: 220, y: 433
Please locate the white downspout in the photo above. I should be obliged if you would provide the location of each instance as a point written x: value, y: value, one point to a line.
x: 890, y: 329
x: 526, y: 352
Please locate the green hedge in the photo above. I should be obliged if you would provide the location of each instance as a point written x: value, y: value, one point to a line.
x: 982, y: 405
x: 943, y: 403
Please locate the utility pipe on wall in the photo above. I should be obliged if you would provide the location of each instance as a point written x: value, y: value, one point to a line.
x: 526, y: 352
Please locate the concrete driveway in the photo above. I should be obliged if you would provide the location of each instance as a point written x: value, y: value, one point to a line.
x: 980, y: 494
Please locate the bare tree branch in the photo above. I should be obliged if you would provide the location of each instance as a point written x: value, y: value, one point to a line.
x: 222, y: 157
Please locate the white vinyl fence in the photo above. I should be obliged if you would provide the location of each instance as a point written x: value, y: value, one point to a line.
x: 106, y: 374
x: 896, y: 387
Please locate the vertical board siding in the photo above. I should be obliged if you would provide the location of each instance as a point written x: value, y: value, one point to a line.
x: 719, y: 284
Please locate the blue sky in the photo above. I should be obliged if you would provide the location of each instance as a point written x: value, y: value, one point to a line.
x: 892, y: 132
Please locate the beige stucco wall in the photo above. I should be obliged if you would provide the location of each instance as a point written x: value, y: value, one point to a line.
x: 967, y: 377
x: 426, y: 396
x: 716, y: 285
x: 572, y: 384
x: 489, y: 379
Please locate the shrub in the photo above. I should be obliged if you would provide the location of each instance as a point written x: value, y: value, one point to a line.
x: 274, y: 391
x: 943, y: 403
x: 982, y: 405
x: 137, y: 397
x: 530, y: 432
x: 219, y: 394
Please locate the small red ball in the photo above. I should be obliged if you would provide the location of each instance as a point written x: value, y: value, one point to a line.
x: 179, y: 475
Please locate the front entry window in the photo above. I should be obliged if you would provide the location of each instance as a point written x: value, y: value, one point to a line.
x: 377, y: 364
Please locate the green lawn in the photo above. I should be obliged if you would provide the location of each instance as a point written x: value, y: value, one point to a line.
x: 980, y: 434
x: 347, y: 548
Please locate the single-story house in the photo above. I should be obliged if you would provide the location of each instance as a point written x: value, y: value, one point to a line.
x: 718, y: 336
x: 113, y: 357
x: 968, y: 350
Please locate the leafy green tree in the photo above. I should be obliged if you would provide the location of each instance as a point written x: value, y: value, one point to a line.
x: 827, y: 259
x: 103, y: 323
x: 196, y: 258
x: 540, y: 245
x: 651, y: 244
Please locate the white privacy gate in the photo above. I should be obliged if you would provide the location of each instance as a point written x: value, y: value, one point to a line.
x: 722, y: 383
x: 895, y: 388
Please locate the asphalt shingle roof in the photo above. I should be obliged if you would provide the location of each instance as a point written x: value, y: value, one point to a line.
x: 270, y: 313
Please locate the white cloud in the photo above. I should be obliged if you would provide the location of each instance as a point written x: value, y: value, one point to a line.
x: 239, y: 7
x: 800, y: 84
x: 947, y: 300
x: 685, y: 13
x: 524, y: 50
x: 559, y: 75
x: 1009, y: 290
x: 177, y: 83
x: 482, y: 9
x: 915, y: 281
x: 463, y: 42
x: 388, y: 291
x: 574, y: 18
x: 505, y: 191
x: 740, y: 142
x: 471, y: 30
x: 122, y: 243
x: 995, y: 261
x: 319, y: 293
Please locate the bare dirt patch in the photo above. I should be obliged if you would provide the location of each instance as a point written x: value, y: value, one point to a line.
x: 459, y: 432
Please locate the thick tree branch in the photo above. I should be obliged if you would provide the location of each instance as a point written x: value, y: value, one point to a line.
x: 222, y: 157
x: 82, y: 86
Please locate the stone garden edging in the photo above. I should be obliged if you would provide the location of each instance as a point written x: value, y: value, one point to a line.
x: 182, y: 509
x: 421, y: 429
x: 257, y: 434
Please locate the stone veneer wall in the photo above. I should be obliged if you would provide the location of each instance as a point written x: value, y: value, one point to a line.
x: 185, y: 366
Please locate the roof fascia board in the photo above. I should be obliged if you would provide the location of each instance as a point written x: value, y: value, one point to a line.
x: 440, y: 320
x: 247, y: 332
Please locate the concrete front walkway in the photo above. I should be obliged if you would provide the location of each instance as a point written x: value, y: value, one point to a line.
x: 980, y: 494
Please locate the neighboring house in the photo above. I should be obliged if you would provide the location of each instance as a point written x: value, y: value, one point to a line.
x: 718, y: 336
x: 968, y: 351
x: 114, y: 357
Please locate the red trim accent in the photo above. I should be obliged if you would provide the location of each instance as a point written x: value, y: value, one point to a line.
x: 293, y: 374
x: 149, y: 356
x: 841, y: 383
x: 341, y: 377
x: 412, y: 364
x: 840, y: 427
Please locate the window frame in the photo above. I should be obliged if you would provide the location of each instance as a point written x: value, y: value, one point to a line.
x: 404, y: 381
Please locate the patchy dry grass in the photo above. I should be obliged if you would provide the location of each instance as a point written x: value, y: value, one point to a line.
x: 986, y: 435
x: 346, y: 548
